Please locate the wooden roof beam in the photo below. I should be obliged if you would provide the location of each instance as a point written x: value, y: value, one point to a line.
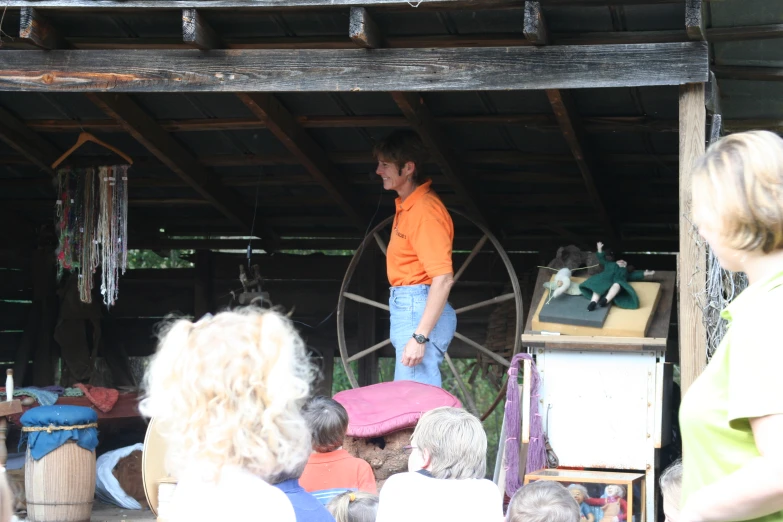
x: 170, y: 152
x: 312, y: 157
x: 260, y: 5
x: 569, y: 121
x: 363, y: 30
x: 422, y: 121
x: 26, y: 142
x: 197, y: 32
x: 352, y: 70
x: 739, y: 72
x: 694, y: 20
x: 36, y: 30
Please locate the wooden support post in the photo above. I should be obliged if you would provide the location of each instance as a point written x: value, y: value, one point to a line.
x: 692, y: 262
x: 363, y: 29
x: 366, y: 335
x: 35, y: 29
x: 694, y: 20
x: 202, y: 284
x: 712, y: 102
x: 197, y: 32
x: 534, y: 26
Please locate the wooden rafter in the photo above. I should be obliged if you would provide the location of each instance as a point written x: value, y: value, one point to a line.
x: 170, y: 152
x: 421, y: 119
x: 363, y: 30
x: 30, y: 145
x: 197, y: 32
x: 738, y: 72
x: 569, y: 121
x: 261, y: 5
x: 694, y: 20
x: 537, y: 122
x: 284, y: 126
x: 351, y: 70
x: 35, y: 29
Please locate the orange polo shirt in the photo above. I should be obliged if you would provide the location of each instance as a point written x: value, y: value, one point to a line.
x: 337, y: 469
x: 421, y: 239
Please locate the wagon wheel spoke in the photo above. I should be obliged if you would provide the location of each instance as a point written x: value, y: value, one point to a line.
x: 369, y: 350
x: 364, y: 300
x: 381, y: 242
x: 464, y: 389
x: 489, y: 302
x: 482, y: 349
x: 473, y: 253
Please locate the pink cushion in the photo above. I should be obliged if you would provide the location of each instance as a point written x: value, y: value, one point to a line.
x: 377, y: 410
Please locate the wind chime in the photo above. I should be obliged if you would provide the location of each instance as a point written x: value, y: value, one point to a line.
x: 92, y: 222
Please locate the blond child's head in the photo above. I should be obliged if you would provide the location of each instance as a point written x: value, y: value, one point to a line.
x: 738, y: 196
x: 543, y: 501
x: 671, y: 490
x: 354, y: 506
x: 227, y: 391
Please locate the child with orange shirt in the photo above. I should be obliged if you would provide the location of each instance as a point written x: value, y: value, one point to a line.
x: 331, y: 470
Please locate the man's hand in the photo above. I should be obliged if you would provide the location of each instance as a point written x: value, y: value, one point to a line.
x: 648, y: 273
x: 413, y: 353
x: 600, y: 246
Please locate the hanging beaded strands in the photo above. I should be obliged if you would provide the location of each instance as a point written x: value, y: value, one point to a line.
x: 92, y: 222
x: 112, y: 231
x: 92, y: 225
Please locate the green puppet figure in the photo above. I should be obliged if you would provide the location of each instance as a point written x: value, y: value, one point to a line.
x: 611, y: 285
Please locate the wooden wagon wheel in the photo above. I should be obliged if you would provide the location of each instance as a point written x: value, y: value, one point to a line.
x: 375, y: 237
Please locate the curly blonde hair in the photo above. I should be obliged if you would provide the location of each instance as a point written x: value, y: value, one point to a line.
x: 227, y: 391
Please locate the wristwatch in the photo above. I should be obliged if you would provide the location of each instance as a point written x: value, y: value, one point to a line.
x: 420, y: 338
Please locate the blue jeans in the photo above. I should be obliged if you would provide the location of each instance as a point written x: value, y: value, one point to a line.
x: 406, y: 306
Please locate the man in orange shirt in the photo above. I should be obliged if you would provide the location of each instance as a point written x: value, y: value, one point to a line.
x: 418, y: 262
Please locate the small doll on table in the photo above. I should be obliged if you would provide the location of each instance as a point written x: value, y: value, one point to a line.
x: 614, y: 505
x: 580, y: 494
x: 612, y: 284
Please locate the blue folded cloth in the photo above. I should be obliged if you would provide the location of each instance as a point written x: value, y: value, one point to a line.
x: 44, y: 397
x: 43, y: 442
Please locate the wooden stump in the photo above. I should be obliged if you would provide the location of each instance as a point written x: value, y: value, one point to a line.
x: 385, y: 454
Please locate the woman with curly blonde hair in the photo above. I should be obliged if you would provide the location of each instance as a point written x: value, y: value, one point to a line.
x: 731, y: 418
x: 225, y: 393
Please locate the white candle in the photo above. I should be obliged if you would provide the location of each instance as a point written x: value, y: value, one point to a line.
x: 9, y: 385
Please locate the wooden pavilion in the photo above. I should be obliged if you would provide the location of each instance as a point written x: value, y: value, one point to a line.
x: 552, y: 122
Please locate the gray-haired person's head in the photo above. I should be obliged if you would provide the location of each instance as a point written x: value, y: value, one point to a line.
x: 671, y: 490
x: 543, y: 501
x: 328, y: 422
x: 455, y: 441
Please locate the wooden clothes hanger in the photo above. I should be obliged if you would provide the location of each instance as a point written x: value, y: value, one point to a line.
x: 84, y: 137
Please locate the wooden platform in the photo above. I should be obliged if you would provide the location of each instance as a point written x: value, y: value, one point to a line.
x: 657, y: 334
x: 107, y: 513
x: 619, y: 322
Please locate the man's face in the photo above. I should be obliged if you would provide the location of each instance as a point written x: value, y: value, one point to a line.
x: 578, y: 496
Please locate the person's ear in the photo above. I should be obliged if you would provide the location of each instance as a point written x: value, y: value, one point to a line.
x: 408, y: 169
x: 425, y: 458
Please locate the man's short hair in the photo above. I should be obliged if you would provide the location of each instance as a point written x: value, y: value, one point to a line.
x: 400, y: 147
x: 328, y: 422
x: 455, y: 441
x: 543, y: 501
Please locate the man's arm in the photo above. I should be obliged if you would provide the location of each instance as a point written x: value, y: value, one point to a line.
x: 436, y: 302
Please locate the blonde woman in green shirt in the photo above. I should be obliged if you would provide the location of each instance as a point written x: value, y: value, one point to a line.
x: 732, y: 416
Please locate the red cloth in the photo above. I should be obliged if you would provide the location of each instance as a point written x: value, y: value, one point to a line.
x: 374, y: 411
x: 103, y: 398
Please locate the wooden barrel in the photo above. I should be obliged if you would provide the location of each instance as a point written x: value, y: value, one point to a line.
x: 60, y: 487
